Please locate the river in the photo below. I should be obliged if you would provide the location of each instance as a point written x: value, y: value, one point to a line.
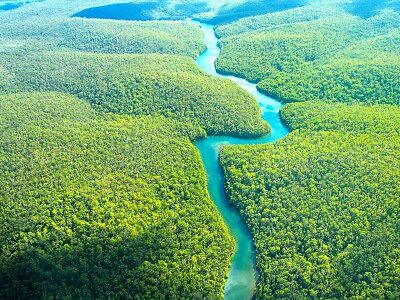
x: 242, y: 276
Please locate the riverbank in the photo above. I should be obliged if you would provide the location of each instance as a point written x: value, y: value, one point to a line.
x: 242, y: 277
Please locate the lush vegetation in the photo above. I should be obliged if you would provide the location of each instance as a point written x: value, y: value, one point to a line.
x: 268, y: 21
x: 102, y: 36
x: 341, y: 117
x: 100, y: 206
x: 316, y: 53
x: 323, y: 203
x: 171, y: 86
x: 106, y: 198
x: 40, y: 54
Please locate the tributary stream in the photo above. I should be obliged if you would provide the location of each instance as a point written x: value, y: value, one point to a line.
x: 242, y: 275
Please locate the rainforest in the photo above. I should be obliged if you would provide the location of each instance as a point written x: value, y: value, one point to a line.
x: 237, y: 149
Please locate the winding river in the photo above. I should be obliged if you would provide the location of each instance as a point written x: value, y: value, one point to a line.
x: 242, y: 276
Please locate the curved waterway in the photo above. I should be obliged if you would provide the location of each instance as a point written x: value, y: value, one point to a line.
x: 242, y: 275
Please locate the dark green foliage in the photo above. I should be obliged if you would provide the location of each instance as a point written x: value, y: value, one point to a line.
x: 95, y: 205
x: 323, y: 203
x: 316, y: 53
x: 100, y: 206
x: 139, y: 85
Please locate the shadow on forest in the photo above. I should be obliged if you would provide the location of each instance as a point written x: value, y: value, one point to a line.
x: 90, y: 267
x: 367, y: 8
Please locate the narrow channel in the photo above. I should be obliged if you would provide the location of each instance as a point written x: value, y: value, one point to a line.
x: 242, y: 275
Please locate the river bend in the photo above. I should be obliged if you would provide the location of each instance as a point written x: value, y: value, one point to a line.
x: 242, y: 275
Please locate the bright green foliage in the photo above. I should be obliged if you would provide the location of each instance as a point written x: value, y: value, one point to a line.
x: 323, y: 203
x: 95, y: 205
x: 139, y: 85
x: 316, y: 53
x: 361, y: 80
x: 378, y: 119
x: 100, y: 206
x: 43, y: 50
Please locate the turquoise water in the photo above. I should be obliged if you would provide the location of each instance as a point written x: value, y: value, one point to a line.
x: 242, y: 274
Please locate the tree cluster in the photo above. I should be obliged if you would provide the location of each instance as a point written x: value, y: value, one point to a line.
x: 108, y: 36
x: 103, y: 206
x: 316, y: 54
x: 155, y: 84
x: 323, y: 203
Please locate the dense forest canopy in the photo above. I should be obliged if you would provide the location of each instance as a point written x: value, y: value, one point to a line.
x: 98, y: 206
x: 317, y: 52
x: 172, y: 86
x: 94, y: 204
x: 105, y: 36
x: 103, y: 194
x: 323, y: 203
x: 342, y: 117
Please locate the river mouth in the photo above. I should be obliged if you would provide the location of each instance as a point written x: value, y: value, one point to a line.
x: 144, y: 11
